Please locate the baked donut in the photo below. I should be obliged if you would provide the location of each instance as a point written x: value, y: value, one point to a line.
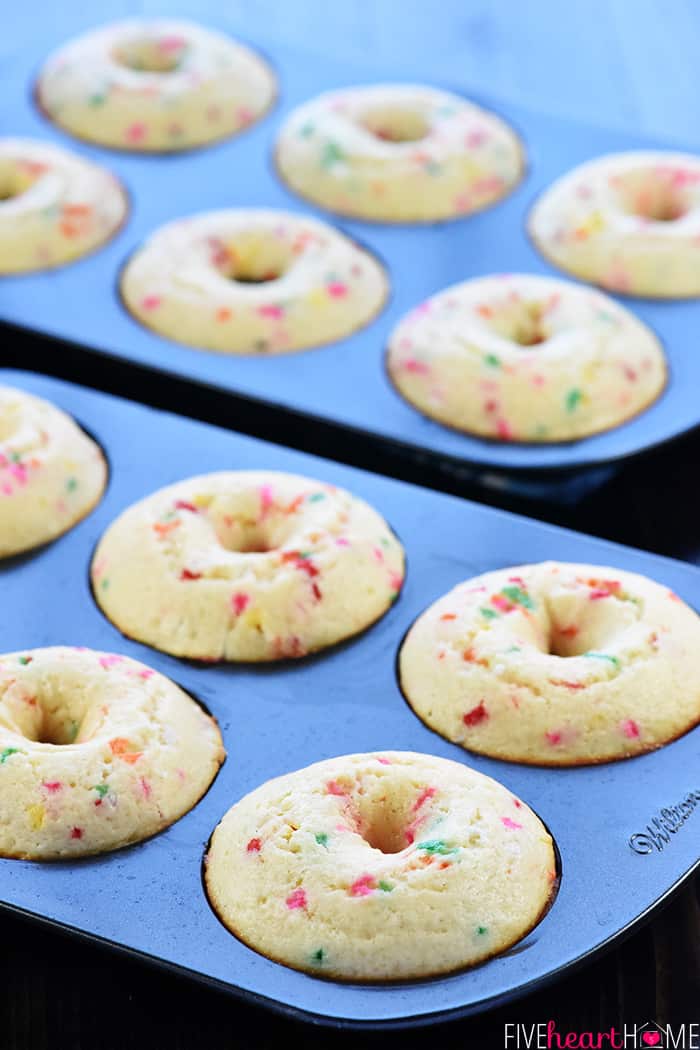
x: 252, y: 282
x: 51, y: 473
x: 629, y: 222
x: 555, y: 665
x: 54, y: 206
x: 96, y: 751
x: 398, y: 153
x: 380, y: 867
x: 246, y: 565
x: 524, y: 358
x: 154, y: 85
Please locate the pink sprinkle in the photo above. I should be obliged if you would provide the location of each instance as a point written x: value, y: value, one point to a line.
x: 171, y: 43
x: 145, y: 787
x: 337, y: 290
x: 384, y: 761
x: 146, y: 673
x: 151, y: 302
x: 136, y: 132
x: 53, y: 786
x: 342, y: 542
x: 554, y: 737
x: 597, y: 595
x: 18, y: 472
x: 630, y: 728
x: 417, y: 367
x: 240, y: 602
x: 512, y: 825
x: 271, y: 311
x: 244, y: 115
x: 266, y: 499
x: 297, y: 899
x: 504, y: 430
x: 109, y: 661
x: 334, y: 788
x: 378, y: 554
x: 363, y: 886
x: 395, y: 581
x: 425, y: 794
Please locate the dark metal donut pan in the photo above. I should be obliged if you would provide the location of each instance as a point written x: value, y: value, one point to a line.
x: 627, y: 831
x: 79, y: 303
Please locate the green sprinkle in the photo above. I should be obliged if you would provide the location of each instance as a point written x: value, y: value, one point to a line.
x: 318, y: 956
x: 488, y: 614
x: 385, y: 887
x: 97, y: 100
x: 433, y: 168
x: 73, y: 731
x: 493, y: 360
x: 519, y: 596
x: 105, y: 584
x: 513, y: 649
x: 306, y: 131
x: 481, y: 930
x: 24, y: 660
x: 101, y: 789
x: 71, y: 484
x: 605, y: 656
x: 316, y: 497
x: 332, y: 153
x: 322, y: 839
x: 5, y: 754
x: 573, y: 399
x: 437, y: 846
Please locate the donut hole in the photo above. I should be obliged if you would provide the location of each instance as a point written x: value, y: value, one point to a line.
x: 16, y: 178
x: 52, y: 715
x: 386, y: 815
x: 520, y: 321
x: 657, y: 195
x: 253, y: 258
x: 579, y: 623
x: 242, y: 534
x: 395, y: 124
x: 151, y: 54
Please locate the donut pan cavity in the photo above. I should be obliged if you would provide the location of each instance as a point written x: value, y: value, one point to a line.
x: 148, y: 899
x: 80, y: 303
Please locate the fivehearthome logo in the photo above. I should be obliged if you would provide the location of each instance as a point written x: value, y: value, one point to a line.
x: 647, y: 1036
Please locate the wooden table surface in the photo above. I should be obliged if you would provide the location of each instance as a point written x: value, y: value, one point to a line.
x: 622, y: 63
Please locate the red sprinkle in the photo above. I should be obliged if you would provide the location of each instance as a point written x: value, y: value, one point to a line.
x: 477, y: 715
x: 76, y: 833
x: 187, y: 575
x: 240, y: 602
x: 254, y: 846
x: 182, y: 504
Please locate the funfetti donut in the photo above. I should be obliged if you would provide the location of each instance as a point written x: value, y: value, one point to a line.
x: 629, y: 222
x: 398, y: 153
x: 247, y: 566
x: 153, y: 85
x: 380, y: 867
x: 555, y: 664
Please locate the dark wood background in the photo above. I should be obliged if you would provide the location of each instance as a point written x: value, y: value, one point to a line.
x: 624, y: 63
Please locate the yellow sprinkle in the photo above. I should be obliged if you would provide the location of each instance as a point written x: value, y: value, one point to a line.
x: 36, y: 816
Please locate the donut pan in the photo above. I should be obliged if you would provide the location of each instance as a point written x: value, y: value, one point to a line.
x: 148, y: 899
x: 80, y: 303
